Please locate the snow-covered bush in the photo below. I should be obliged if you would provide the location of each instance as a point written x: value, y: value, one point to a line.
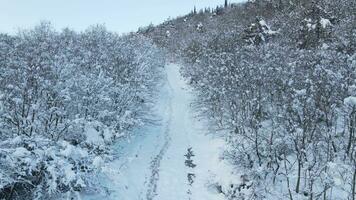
x: 40, y: 168
x: 64, y: 97
x: 279, y: 78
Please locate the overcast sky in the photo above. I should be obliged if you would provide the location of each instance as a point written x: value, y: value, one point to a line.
x: 118, y: 15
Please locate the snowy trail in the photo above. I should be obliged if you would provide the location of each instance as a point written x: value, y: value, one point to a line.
x: 171, y: 160
x: 179, y: 179
x: 156, y: 162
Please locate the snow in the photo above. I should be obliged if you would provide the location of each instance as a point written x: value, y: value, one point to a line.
x: 350, y: 101
x: 337, y: 178
x: 302, y: 92
x: 266, y: 28
x: 72, y: 151
x: 263, y: 23
x: 107, y: 134
x: 16, y: 140
x: 188, y: 132
x: 98, y: 162
x: 20, y: 152
x: 93, y: 136
x: 325, y: 22
x: 199, y: 26
x: 310, y: 25
x: 151, y: 164
x: 69, y: 173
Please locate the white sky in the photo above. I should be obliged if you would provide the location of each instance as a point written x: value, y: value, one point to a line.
x: 118, y: 15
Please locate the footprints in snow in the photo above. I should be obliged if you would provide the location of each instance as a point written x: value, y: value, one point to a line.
x: 190, y: 165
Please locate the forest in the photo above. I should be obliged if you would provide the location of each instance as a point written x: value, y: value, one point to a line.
x: 275, y: 79
x: 64, y: 99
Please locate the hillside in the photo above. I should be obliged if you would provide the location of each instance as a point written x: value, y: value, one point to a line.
x: 254, y: 101
x: 278, y: 79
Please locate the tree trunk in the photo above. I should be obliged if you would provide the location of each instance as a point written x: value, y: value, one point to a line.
x: 256, y: 147
x: 351, y: 130
x: 353, y: 192
x: 297, y: 187
x: 288, y: 182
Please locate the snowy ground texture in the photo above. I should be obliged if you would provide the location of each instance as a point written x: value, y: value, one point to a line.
x: 171, y: 160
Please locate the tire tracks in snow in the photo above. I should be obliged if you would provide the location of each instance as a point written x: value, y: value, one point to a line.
x: 156, y: 161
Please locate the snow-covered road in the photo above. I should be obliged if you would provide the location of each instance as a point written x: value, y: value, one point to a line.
x: 171, y: 160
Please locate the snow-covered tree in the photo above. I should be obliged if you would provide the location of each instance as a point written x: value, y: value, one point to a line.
x: 65, y: 97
